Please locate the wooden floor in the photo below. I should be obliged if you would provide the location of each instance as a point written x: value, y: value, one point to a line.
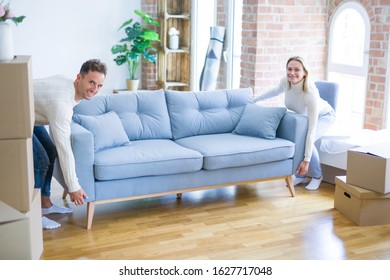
x: 250, y: 222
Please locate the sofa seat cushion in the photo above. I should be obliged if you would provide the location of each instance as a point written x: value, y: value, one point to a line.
x: 146, y: 158
x: 232, y: 150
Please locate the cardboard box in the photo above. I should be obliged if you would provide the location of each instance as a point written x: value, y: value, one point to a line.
x: 362, y: 206
x: 369, y: 167
x: 329, y: 173
x: 17, y: 173
x: 17, y: 114
x: 21, y: 233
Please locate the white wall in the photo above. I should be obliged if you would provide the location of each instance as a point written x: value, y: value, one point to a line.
x: 60, y: 35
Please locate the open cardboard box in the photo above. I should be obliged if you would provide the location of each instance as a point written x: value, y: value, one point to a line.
x: 369, y: 167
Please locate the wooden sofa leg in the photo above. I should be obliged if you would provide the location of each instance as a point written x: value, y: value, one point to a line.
x: 290, y: 185
x: 90, y: 212
x: 178, y: 195
x: 64, y: 194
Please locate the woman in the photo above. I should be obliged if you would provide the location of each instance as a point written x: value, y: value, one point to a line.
x: 302, y: 97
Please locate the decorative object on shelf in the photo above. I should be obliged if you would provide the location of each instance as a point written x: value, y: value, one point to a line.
x: 6, y: 40
x: 136, y: 44
x: 173, y: 38
x: 6, y: 43
x: 209, y: 75
x: 174, y: 53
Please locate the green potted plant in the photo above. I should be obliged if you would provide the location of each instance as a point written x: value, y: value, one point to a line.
x: 136, y: 44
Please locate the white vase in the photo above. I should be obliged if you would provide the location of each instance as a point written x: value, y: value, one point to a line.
x: 174, y: 42
x: 6, y: 42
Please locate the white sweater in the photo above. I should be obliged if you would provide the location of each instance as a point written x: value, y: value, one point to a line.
x: 54, y: 99
x: 306, y: 103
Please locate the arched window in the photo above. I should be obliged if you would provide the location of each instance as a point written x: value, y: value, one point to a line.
x: 348, y: 61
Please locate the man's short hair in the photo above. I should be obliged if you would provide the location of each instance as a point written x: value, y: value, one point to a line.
x: 94, y: 65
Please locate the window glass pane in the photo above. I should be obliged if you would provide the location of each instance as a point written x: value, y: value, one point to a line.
x: 237, y: 27
x: 348, y: 37
x: 351, y: 99
x: 205, y: 20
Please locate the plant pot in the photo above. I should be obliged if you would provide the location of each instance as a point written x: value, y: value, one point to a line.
x: 132, y: 84
x: 6, y: 43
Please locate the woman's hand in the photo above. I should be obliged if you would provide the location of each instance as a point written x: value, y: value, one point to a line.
x: 303, y: 168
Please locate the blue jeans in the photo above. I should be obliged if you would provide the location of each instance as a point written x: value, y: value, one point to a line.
x: 44, y: 153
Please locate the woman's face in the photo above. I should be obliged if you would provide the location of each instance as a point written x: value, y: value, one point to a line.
x: 295, y: 72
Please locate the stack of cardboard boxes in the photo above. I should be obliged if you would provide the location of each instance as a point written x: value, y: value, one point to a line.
x: 363, y: 195
x: 20, y: 204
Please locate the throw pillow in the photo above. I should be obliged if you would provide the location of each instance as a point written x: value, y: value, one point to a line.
x: 259, y: 121
x: 106, y: 128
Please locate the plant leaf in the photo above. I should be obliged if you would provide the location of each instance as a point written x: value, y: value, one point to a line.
x: 18, y: 20
x: 119, y: 49
x: 147, y: 18
x: 120, y: 59
x: 133, y: 32
x: 127, y: 22
x: 150, y: 35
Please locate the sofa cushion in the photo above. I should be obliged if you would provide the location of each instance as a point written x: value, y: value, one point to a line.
x: 259, y: 121
x: 106, y: 128
x: 144, y: 114
x: 232, y: 150
x: 146, y: 158
x: 206, y: 112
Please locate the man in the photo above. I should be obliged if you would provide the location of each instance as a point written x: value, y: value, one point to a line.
x: 54, y: 99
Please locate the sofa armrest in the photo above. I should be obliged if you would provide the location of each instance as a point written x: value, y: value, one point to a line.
x: 83, y: 151
x: 293, y: 127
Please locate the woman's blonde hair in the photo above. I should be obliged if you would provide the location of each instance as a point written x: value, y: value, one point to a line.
x: 305, y: 78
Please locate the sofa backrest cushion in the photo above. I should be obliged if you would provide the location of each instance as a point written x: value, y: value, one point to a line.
x: 143, y: 114
x: 206, y: 112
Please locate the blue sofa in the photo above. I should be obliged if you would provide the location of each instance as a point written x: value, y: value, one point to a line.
x: 152, y: 143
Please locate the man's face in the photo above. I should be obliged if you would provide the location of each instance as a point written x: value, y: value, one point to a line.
x: 87, y: 86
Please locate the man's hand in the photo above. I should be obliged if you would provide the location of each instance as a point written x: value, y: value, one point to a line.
x: 303, y: 168
x: 78, y: 197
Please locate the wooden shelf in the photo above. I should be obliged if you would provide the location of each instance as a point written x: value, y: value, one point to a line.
x: 183, y: 16
x: 180, y: 50
x: 174, y: 65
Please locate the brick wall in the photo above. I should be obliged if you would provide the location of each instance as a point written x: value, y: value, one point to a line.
x: 149, y: 70
x: 274, y: 30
